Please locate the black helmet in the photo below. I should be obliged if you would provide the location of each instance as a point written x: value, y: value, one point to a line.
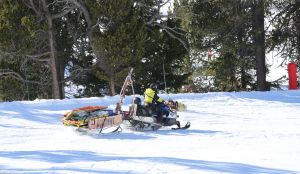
x: 153, y: 86
x: 137, y: 101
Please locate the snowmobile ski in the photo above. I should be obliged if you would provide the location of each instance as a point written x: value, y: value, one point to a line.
x: 186, y: 126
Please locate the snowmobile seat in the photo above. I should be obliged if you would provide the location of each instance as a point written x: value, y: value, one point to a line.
x: 138, y: 110
x: 143, y: 111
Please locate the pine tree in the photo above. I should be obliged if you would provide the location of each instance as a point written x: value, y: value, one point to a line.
x: 15, y: 43
x: 226, y: 28
x: 164, y: 52
x: 117, y: 38
x: 285, y: 35
x: 33, y: 34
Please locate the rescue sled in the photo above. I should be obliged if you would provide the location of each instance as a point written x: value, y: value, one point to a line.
x: 96, y: 118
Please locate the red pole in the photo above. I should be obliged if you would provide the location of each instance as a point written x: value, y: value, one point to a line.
x: 292, y: 71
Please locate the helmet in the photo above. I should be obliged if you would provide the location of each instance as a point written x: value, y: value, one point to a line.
x: 153, y: 86
x: 137, y: 101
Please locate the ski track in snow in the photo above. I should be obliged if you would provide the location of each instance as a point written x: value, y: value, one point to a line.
x: 237, y: 132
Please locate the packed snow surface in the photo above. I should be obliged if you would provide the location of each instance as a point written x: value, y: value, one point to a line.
x: 237, y: 132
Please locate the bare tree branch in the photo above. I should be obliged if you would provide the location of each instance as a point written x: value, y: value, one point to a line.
x: 175, y: 37
x: 62, y: 14
x: 157, y: 15
x: 38, y: 57
x: 4, y: 54
x: 172, y: 32
x: 30, y: 4
x: 76, y: 73
x: 101, y: 25
x: 17, y: 76
x: 84, y: 11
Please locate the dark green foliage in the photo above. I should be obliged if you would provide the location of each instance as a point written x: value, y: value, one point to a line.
x: 11, y: 89
x: 225, y: 68
x: 16, y: 37
x: 90, y: 80
x: 96, y: 54
x: 93, y: 86
x: 120, y: 44
x: 226, y: 28
x: 162, y: 51
x: 118, y: 41
x: 285, y: 34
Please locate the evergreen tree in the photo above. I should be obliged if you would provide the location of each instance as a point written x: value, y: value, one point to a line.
x: 164, y: 60
x: 116, y: 33
x: 226, y: 27
x: 285, y: 35
x: 43, y: 32
x: 15, y: 43
x: 123, y: 43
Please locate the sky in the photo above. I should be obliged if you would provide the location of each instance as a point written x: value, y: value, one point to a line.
x: 231, y: 132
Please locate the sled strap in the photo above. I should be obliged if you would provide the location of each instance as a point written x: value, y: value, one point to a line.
x: 102, y: 125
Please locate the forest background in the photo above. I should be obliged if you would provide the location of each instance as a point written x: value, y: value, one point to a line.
x: 47, y: 46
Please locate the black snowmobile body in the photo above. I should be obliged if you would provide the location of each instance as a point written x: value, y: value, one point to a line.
x: 141, y: 117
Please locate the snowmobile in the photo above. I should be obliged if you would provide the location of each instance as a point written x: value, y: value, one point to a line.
x: 141, y: 117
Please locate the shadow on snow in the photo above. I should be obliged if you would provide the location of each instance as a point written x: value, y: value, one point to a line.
x: 69, y: 156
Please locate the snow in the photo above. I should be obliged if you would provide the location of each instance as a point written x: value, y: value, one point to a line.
x: 277, y: 67
x: 237, y: 132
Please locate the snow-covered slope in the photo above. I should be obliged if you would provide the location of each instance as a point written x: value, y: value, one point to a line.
x: 246, y: 132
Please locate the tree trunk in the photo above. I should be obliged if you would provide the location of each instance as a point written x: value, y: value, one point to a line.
x: 61, y: 75
x: 53, y: 67
x: 112, y: 86
x: 259, y: 44
x: 99, y: 55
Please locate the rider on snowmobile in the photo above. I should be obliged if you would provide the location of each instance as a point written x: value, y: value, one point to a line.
x: 154, y: 102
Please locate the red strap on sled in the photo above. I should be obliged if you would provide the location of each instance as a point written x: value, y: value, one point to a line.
x: 90, y: 108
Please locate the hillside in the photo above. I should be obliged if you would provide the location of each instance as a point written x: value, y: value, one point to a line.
x: 245, y: 132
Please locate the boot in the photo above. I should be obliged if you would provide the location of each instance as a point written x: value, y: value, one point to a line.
x: 159, y: 119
